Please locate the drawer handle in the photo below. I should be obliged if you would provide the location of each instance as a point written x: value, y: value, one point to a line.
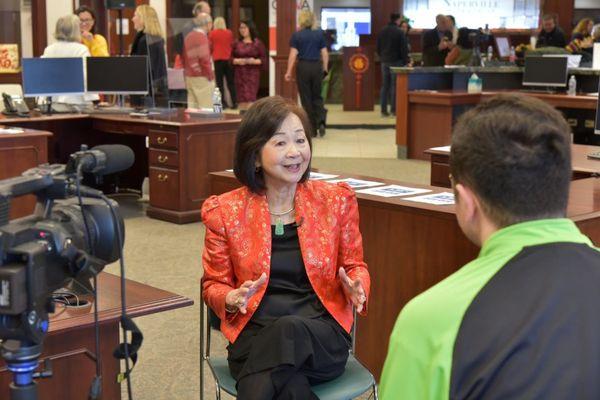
x: 162, y: 140
x: 163, y: 159
x: 163, y: 177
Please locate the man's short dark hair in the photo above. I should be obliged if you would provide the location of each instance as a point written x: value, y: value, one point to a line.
x: 553, y: 17
x: 394, y: 17
x: 514, y: 152
x: 451, y: 18
x: 259, y: 124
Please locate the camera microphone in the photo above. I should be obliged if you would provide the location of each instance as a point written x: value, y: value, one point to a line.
x: 102, y: 160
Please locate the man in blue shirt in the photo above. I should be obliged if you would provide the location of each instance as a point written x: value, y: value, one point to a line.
x: 309, y: 47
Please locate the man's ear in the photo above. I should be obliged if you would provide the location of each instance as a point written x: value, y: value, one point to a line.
x: 467, y: 201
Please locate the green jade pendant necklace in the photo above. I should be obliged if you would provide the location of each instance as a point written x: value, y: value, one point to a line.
x: 278, y: 222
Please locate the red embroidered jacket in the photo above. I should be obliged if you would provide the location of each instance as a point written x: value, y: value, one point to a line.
x: 238, y: 248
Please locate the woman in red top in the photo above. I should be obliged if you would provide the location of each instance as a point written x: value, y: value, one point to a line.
x: 249, y: 57
x: 221, y: 40
x: 283, y: 260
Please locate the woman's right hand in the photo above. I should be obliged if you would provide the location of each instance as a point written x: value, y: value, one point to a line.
x: 237, y: 299
x: 87, y: 35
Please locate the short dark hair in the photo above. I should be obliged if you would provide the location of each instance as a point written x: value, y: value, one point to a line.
x: 464, y: 39
x: 258, y: 125
x: 84, y: 8
x: 514, y: 152
x: 553, y: 17
x: 394, y: 17
x: 451, y: 18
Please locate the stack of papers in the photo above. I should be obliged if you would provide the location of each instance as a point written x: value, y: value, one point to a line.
x: 356, y: 183
x: 393, y: 191
x: 11, y: 131
x: 438, y: 199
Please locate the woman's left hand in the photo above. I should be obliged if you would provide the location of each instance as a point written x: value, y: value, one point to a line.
x: 353, y: 290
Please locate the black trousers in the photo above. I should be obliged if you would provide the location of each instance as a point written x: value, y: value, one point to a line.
x: 309, y: 77
x: 224, y: 69
x: 282, y: 359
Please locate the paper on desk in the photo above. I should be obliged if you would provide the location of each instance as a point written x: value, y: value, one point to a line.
x: 11, y: 131
x: 438, y: 199
x: 229, y: 170
x: 356, y: 183
x: 318, y: 175
x: 441, y: 148
x: 392, y: 191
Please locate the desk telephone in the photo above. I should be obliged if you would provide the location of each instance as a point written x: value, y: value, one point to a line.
x: 14, y: 105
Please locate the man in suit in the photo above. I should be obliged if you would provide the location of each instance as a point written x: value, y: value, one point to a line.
x: 392, y: 47
x: 521, y: 320
x: 551, y: 34
x: 437, y: 42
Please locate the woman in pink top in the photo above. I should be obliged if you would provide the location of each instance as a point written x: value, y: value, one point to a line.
x: 221, y: 40
x: 249, y: 57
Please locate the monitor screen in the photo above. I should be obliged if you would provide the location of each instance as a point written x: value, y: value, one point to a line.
x: 503, y: 46
x: 545, y: 71
x: 348, y: 23
x: 117, y: 75
x: 52, y: 76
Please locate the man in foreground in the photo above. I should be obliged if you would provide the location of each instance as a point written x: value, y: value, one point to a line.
x: 521, y: 320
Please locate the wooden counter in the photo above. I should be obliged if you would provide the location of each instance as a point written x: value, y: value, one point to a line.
x: 182, y: 151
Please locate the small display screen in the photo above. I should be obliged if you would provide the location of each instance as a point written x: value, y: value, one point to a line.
x: 52, y: 76
x: 117, y: 75
x: 545, y: 71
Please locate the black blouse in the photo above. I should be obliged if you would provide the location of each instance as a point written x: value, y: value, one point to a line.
x: 289, y: 291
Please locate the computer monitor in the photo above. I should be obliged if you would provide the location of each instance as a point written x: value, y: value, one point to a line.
x: 52, y: 76
x: 117, y: 75
x: 503, y: 46
x: 545, y: 71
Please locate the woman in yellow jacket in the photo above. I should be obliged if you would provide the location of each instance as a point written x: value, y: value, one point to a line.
x: 96, y: 43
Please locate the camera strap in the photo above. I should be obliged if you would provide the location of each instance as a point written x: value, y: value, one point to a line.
x: 132, y: 348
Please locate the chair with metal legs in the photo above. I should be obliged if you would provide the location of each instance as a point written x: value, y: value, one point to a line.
x: 355, y: 380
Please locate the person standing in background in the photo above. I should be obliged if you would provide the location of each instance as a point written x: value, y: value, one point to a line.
x: 95, y: 42
x: 199, y: 7
x: 405, y: 26
x: 551, y: 35
x: 249, y: 57
x: 221, y: 40
x: 309, y: 47
x: 452, y: 28
x: 149, y: 42
x: 462, y: 53
x: 582, y: 41
x: 437, y: 43
x: 392, y: 47
x: 199, y: 76
x: 68, y: 44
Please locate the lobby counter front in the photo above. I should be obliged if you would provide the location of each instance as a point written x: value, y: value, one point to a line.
x: 411, y: 246
x: 430, y: 99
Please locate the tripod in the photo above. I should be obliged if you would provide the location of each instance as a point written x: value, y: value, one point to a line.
x: 22, y: 359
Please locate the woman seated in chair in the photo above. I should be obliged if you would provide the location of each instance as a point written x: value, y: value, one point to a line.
x: 283, y: 260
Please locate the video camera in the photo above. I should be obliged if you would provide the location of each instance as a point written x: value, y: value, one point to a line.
x: 74, y: 232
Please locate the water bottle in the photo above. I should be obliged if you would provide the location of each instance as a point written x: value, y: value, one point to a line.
x: 513, y: 55
x: 473, y: 84
x: 216, y: 98
x: 572, y: 86
x: 490, y: 53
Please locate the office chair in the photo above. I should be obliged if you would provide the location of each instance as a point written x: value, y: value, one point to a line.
x: 355, y: 380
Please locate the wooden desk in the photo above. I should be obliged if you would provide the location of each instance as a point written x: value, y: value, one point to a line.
x: 410, y: 246
x: 432, y: 114
x: 70, y: 343
x: 19, y: 152
x: 583, y: 167
x: 182, y: 151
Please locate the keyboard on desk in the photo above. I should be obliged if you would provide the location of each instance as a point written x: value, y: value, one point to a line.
x: 112, y: 110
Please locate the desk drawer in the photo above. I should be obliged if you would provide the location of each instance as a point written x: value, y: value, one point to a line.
x: 162, y: 139
x: 164, y: 188
x: 120, y: 127
x: 163, y: 158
